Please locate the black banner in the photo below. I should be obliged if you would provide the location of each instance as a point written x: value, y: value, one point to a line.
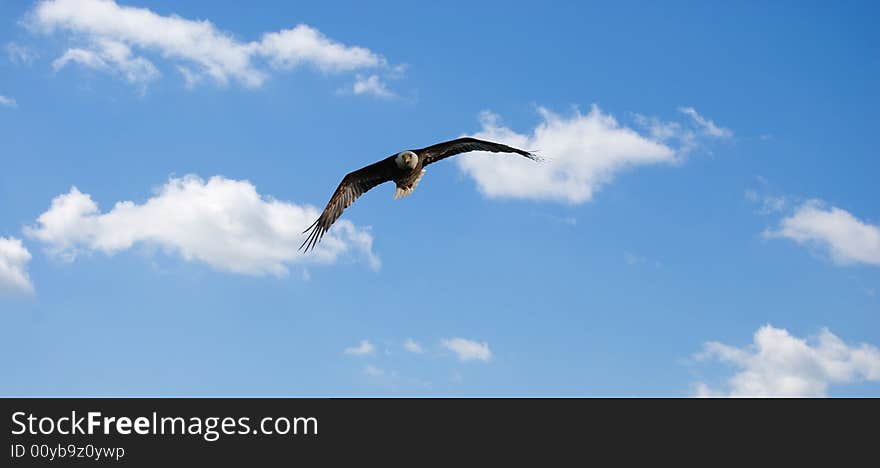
x: 241, y: 432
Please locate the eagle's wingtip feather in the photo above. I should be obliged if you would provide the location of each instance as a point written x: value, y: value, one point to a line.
x: 534, y: 156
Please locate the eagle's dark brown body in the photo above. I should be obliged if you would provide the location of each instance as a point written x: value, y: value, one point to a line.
x: 406, y: 179
x: 405, y: 169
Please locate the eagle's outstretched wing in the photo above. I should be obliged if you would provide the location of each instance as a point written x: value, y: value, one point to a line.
x: 353, y: 185
x: 434, y: 153
x: 357, y: 183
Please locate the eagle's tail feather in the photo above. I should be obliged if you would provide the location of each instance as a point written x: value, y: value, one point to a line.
x: 401, y: 192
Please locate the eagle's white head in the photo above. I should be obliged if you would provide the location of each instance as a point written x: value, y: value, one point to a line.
x: 407, y: 160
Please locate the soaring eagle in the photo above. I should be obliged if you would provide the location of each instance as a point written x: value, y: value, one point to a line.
x: 405, y: 168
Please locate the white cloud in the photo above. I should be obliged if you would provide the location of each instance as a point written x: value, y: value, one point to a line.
x: 778, y: 364
x: 8, y: 102
x: 303, y: 44
x: 412, y: 346
x: 708, y: 127
x: 846, y: 238
x: 197, y: 48
x: 468, y: 350
x: 14, y: 258
x: 372, y: 85
x: 114, y: 57
x: 86, y: 58
x: 224, y: 223
x: 19, y: 54
x: 584, y: 153
x: 365, y: 348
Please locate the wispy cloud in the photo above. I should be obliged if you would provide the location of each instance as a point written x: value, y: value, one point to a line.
x: 372, y: 85
x: 584, y: 152
x: 687, y: 135
x: 769, y: 204
x: 113, y: 57
x: 707, y: 126
x: 413, y: 346
x: 14, y: 258
x: 20, y: 54
x: 468, y: 350
x: 8, y: 102
x: 221, y: 222
x: 632, y: 258
x: 373, y: 371
x: 364, y: 348
x: 393, y: 381
x: 196, y: 48
x: 844, y: 237
x: 778, y: 364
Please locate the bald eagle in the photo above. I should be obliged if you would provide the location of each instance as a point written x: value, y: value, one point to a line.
x: 405, y: 168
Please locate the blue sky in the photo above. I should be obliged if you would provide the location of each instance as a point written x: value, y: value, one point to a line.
x: 706, y: 223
